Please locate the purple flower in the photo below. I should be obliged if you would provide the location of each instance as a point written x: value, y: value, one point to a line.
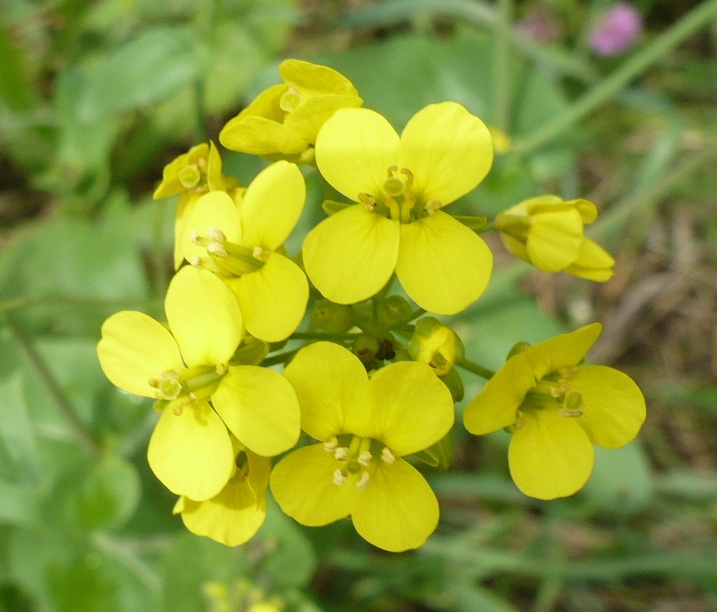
x: 618, y: 29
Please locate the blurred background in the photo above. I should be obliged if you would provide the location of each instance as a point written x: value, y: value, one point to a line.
x: 613, y: 102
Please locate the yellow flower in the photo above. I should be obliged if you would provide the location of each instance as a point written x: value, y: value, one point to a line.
x: 548, y: 233
x: 282, y: 122
x: 187, y: 366
x: 402, y: 183
x: 234, y: 515
x: 241, y: 243
x: 364, y: 427
x: 190, y: 175
x: 558, y: 409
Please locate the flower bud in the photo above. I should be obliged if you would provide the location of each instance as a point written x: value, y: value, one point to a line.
x: 454, y: 382
x: 365, y: 347
x: 331, y: 317
x: 394, y: 311
x: 435, y: 344
x: 518, y: 348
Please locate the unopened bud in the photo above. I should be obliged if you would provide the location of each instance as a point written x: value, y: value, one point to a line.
x: 518, y: 348
x: 365, y: 347
x: 331, y: 317
x: 454, y: 382
x: 394, y: 311
x: 435, y: 344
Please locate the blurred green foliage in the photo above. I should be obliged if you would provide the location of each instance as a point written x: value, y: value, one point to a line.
x: 96, y: 96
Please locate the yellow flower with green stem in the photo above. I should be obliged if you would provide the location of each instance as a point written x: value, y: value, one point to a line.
x: 242, y: 241
x: 401, y: 185
x: 187, y: 368
x: 557, y: 410
x: 282, y: 121
x: 364, y: 428
x: 191, y: 175
x: 547, y: 232
x: 234, y: 515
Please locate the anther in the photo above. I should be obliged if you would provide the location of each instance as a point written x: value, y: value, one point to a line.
x: 387, y: 456
x: 432, y: 206
x: 368, y: 201
x: 216, y: 248
x: 195, y: 238
x: 341, y: 453
x: 339, y: 477
x: 408, y: 174
x: 363, y: 481
x: 214, y: 233
x: 260, y: 254
x: 330, y: 445
x: 365, y: 458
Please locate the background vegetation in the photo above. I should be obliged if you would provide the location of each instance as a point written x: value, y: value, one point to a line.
x: 95, y: 97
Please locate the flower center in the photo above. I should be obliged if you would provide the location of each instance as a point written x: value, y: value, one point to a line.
x: 179, y: 389
x: 396, y: 199
x: 290, y: 100
x: 554, y: 389
x: 228, y: 257
x: 193, y: 176
x: 354, y: 456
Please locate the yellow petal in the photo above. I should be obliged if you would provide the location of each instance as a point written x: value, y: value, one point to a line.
x: 272, y: 299
x: 314, y: 79
x: 215, y: 180
x: 327, y: 379
x: 260, y: 408
x: 191, y: 452
x: 307, y: 119
x: 354, y: 150
x: 272, y: 205
x: 261, y: 136
x: 204, y: 317
x: 351, y: 255
x: 442, y: 265
x: 134, y: 349
x: 614, y: 405
x: 549, y: 455
x: 398, y: 510
x: 235, y: 514
x: 171, y: 185
x: 554, y: 239
x: 593, y: 262
x: 496, y: 406
x: 408, y: 408
x: 448, y: 150
x: 215, y: 209
x: 302, y: 485
x: 563, y: 351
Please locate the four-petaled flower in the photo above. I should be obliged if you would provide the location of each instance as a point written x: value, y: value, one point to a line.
x: 185, y: 368
x: 282, y: 121
x: 557, y: 409
x: 241, y: 243
x: 548, y: 233
x: 364, y: 427
x: 401, y: 184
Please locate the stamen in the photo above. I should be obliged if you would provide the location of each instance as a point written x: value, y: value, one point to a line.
x: 195, y: 261
x: 341, y: 453
x: 330, y: 445
x: 216, y: 248
x: 214, y: 233
x: 195, y: 238
x: 365, y: 458
x: 363, y: 481
x: 409, y: 176
x: 368, y: 201
x: 260, y: 254
x: 572, y: 414
x: 432, y: 206
x: 339, y: 477
x: 387, y: 456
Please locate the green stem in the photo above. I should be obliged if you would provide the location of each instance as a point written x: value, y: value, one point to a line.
x: 279, y: 358
x: 321, y: 336
x: 474, y: 368
x: 605, y: 89
x: 63, y: 404
x: 502, y: 68
x: 9, y: 306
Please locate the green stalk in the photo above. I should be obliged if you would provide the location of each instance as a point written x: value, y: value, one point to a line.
x: 502, y: 69
x: 474, y: 368
x: 605, y: 89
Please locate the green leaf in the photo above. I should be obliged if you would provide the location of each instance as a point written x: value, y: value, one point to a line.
x: 19, y: 452
x: 149, y: 68
x: 292, y: 559
x: 109, y: 494
x: 621, y: 480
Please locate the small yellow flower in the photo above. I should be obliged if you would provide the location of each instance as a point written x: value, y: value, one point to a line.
x: 548, y: 233
x: 234, y: 515
x: 558, y: 410
x: 185, y: 368
x: 241, y: 242
x: 191, y: 175
x: 282, y: 122
x: 364, y: 428
x: 402, y: 184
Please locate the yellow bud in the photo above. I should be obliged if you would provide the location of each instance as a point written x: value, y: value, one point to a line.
x: 435, y: 344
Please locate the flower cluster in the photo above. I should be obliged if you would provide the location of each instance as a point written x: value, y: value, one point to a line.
x: 369, y: 380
